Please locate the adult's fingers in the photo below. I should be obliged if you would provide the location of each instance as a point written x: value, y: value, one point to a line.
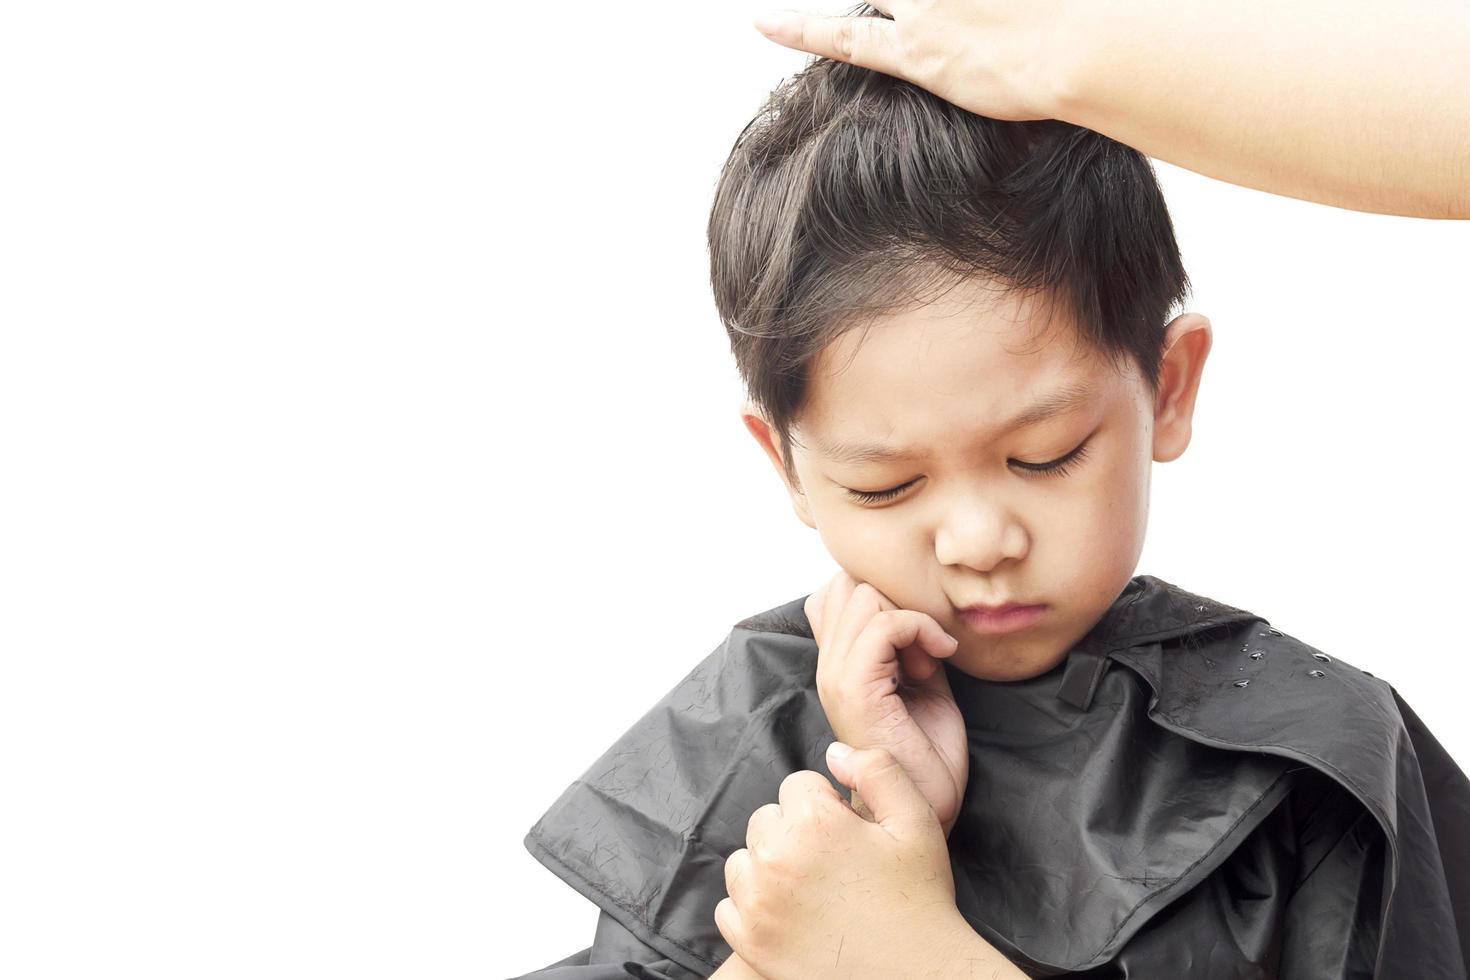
x: 737, y: 869
x: 731, y: 926
x: 870, y: 42
x: 800, y: 791
x: 761, y: 822
x: 885, y: 786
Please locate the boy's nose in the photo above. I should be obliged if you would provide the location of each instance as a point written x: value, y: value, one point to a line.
x: 980, y: 537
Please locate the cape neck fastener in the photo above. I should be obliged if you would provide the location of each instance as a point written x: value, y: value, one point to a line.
x: 1080, y: 678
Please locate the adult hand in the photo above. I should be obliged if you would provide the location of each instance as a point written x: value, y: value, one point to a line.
x: 997, y: 58
x: 1352, y: 103
x: 881, y: 686
x: 818, y: 891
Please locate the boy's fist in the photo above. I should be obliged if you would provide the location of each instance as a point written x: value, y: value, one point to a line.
x: 881, y: 687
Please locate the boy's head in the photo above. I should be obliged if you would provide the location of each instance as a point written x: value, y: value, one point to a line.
x: 895, y: 271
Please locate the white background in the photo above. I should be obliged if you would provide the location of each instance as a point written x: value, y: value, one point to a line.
x: 371, y: 460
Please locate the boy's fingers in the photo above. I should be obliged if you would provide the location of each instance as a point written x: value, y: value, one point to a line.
x: 849, y: 607
x: 888, y: 637
x: 813, y: 609
x: 903, y: 629
x: 859, y: 603
x: 839, y: 590
x: 917, y: 666
x: 865, y: 41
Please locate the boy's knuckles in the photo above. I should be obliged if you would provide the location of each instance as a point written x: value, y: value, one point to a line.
x: 889, y: 621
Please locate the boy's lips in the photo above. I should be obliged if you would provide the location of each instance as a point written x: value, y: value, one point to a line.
x: 1005, y: 618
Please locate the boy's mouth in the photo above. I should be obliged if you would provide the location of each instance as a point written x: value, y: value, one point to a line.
x: 1005, y: 618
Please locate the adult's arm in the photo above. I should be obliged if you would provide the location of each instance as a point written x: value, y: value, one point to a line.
x: 1361, y: 104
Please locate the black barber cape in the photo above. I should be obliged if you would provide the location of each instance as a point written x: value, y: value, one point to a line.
x: 1189, y: 794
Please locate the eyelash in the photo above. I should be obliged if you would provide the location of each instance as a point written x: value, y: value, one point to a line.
x: 1057, y: 467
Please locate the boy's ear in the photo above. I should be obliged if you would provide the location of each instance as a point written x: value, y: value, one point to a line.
x: 766, y: 436
x: 1187, y: 341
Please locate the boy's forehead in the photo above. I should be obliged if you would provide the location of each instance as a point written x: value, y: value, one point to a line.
x: 1004, y: 331
x: 937, y: 370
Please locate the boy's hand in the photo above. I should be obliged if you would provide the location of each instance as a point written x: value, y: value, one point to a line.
x: 819, y: 892
x: 881, y: 687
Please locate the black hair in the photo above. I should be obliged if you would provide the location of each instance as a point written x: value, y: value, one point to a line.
x: 853, y: 193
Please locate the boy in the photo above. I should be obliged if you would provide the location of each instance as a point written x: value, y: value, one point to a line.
x: 955, y: 335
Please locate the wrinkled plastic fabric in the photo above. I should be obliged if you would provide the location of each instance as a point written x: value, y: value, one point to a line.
x: 1191, y: 793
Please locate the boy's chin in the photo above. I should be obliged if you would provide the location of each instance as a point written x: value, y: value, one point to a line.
x: 1013, y: 661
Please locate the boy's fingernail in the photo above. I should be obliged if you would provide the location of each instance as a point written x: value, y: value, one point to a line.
x: 838, y: 751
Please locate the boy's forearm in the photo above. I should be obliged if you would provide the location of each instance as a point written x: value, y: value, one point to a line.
x: 1362, y: 104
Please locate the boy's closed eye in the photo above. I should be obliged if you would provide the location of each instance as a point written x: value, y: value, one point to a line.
x: 1057, y: 467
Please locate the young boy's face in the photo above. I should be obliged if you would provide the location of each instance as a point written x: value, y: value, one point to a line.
x: 940, y: 383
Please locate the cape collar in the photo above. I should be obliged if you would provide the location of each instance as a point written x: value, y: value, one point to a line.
x: 1148, y: 610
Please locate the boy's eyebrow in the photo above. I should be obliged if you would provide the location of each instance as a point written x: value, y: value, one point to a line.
x: 1063, y: 399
